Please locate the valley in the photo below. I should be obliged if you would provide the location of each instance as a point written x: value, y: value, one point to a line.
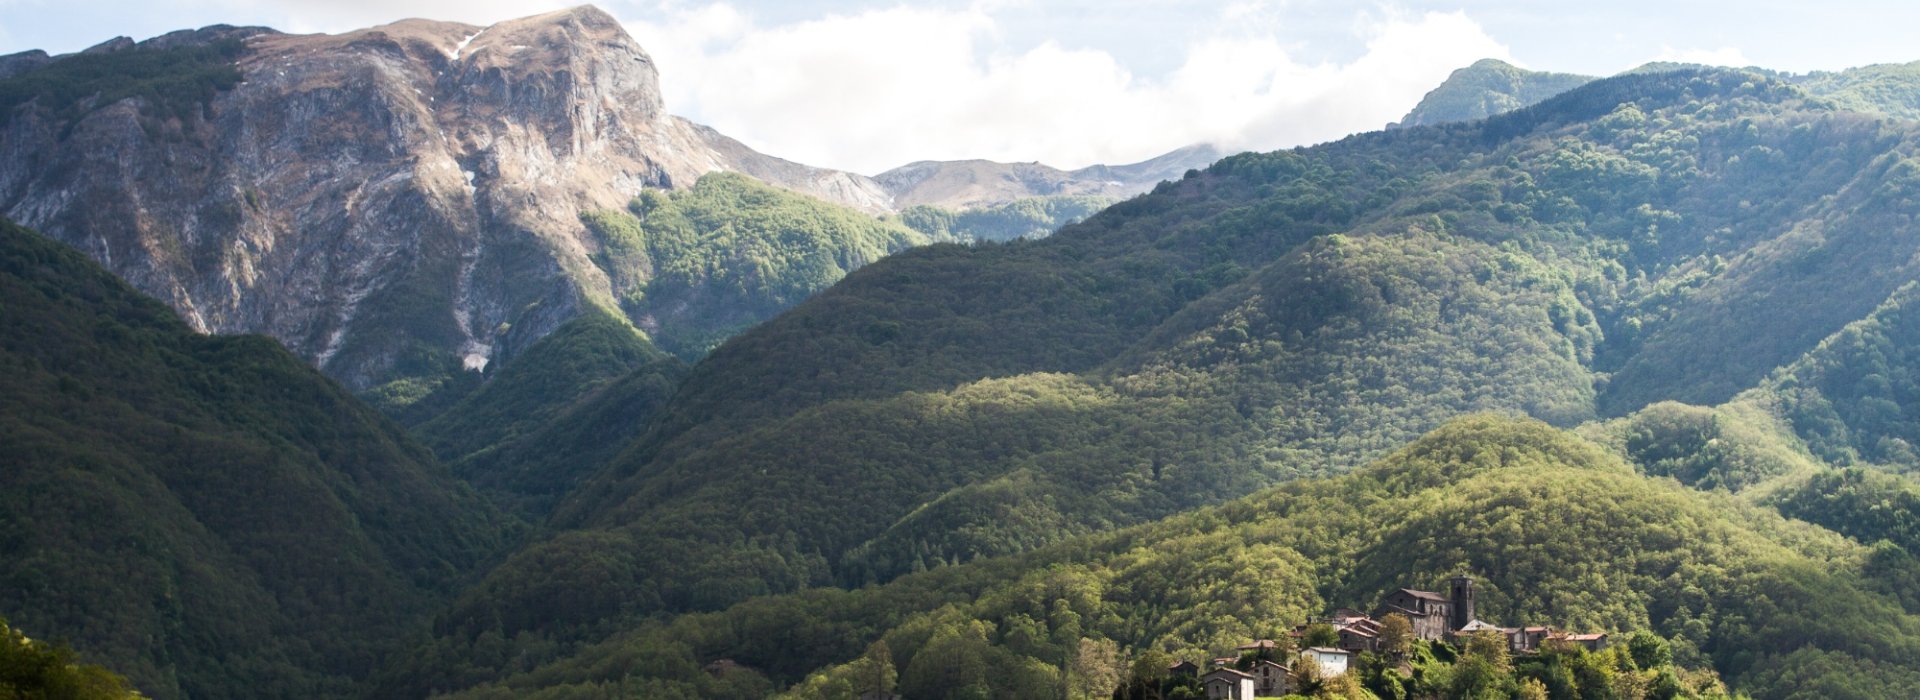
x: 440, y: 360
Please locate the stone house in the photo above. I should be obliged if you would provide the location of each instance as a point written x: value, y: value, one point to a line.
x: 1592, y: 642
x: 1228, y: 684
x: 1269, y: 678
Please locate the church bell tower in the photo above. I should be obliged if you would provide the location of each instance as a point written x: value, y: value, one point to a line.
x: 1462, y: 599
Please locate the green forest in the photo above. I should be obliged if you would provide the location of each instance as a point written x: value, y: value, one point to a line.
x: 209, y: 515
x: 1635, y: 357
x: 1559, y: 529
x: 694, y: 267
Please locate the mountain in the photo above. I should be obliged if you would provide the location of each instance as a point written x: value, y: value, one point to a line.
x: 1490, y: 87
x: 396, y: 202
x: 960, y: 185
x: 1678, y: 236
x: 1486, y: 88
x: 207, y: 514
x: 1553, y: 528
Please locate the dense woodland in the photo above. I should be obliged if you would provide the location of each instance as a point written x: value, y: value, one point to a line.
x: 1634, y: 357
x: 208, y: 514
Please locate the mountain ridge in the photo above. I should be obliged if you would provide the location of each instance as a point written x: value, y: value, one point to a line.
x: 384, y: 201
x: 975, y: 184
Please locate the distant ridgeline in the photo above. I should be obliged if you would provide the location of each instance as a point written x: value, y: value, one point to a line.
x: 1033, y: 217
x: 1490, y: 87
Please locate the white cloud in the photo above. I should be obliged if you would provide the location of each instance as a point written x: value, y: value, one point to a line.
x: 873, y: 90
x: 1723, y: 56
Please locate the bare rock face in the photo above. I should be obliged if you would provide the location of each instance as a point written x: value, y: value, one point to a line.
x: 16, y: 63
x: 379, y: 199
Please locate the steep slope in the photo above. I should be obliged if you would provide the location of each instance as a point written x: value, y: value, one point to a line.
x: 397, y: 201
x: 1671, y: 236
x: 1486, y: 88
x: 555, y: 413
x: 208, y: 515
x: 960, y: 185
x: 1554, y: 530
x: 697, y: 266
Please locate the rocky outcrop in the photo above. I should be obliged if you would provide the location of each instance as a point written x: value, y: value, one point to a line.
x: 970, y: 184
x: 1486, y: 88
x: 383, y: 200
x: 15, y: 63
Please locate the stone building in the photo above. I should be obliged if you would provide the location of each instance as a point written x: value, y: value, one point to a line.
x: 1228, y: 684
x: 1269, y: 678
x: 1434, y: 616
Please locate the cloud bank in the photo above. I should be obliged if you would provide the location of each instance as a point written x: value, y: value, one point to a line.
x: 871, y: 90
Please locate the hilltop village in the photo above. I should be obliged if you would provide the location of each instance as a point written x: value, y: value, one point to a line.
x: 1411, y: 614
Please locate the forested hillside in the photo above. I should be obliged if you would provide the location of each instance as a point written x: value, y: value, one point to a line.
x: 206, y: 514
x: 1554, y: 528
x: 545, y: 420
x: 1671, y: 236
x: 1490, y: 87
x: 694, y: 267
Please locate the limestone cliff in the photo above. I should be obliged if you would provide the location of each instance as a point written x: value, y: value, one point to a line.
x: 380, y: 200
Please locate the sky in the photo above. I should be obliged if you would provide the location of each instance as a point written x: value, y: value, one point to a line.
x: 867, y: 85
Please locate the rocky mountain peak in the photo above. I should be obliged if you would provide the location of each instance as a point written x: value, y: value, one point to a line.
x: 382, y: 199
